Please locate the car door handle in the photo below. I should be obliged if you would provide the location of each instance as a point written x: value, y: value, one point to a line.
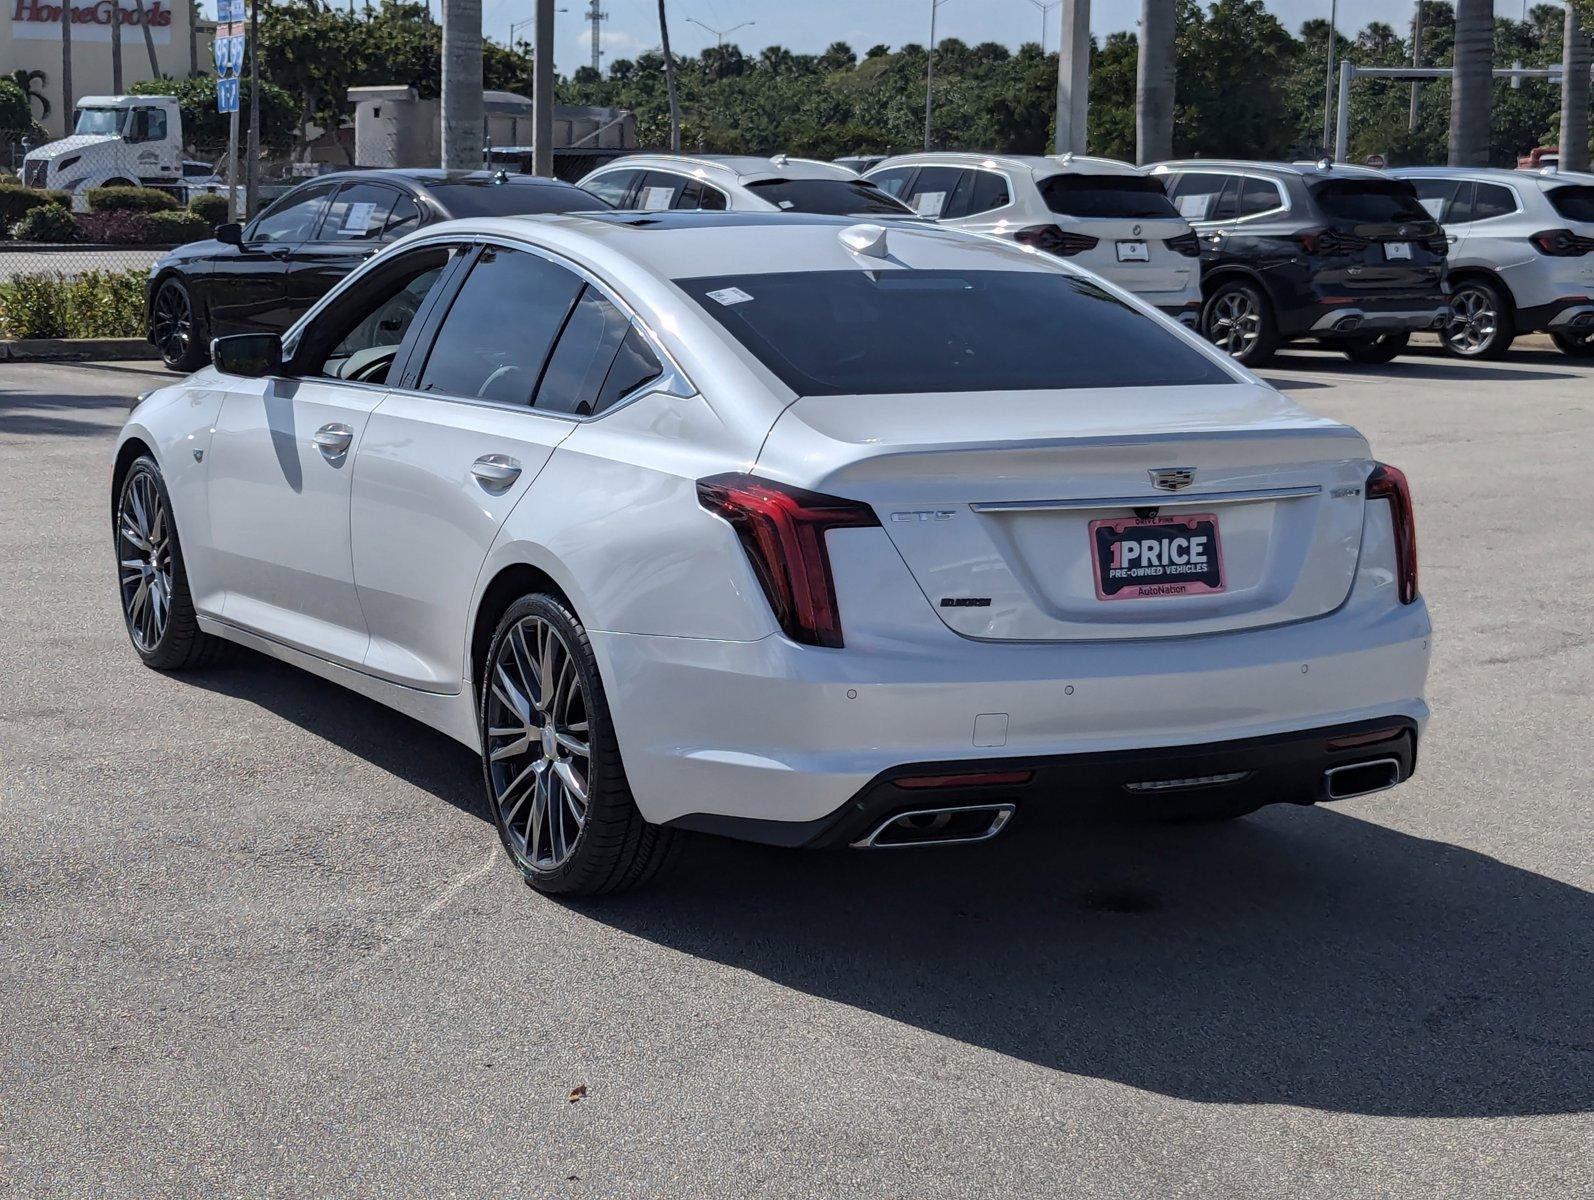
x: 495, y: 471
x: 333, y: 440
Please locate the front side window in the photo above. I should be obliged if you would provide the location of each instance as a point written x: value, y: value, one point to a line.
x: 293, y: 218
x: 1131, y: 197
x: 846, y: 333
x: 499, y: 331
x: 358, y: 337
x: 149, y: 125
x: 358, y: 213
x: 1372, y: 201
x: 831, y: 197
x: 1575, y: 203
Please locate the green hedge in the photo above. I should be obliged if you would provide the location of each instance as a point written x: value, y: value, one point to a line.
x: 138, y: 199
x: 17, y: 201
x: 177, y: 227
x: 97, y: 304
x: 47, y: 223
x: 211, y: 207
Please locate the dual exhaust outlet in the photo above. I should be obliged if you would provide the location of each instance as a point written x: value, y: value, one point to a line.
x: 969, y: 823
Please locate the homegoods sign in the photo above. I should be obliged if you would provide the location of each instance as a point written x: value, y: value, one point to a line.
x: 91, y: 22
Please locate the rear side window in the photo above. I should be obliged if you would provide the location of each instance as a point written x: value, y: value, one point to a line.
x: 660, y: 190
x: 1435, y: 195
x: 1203, y: 197
x: 1574, y: 203
x: 358, y: 213
x: 1257, y: 196
x: 405, y: 217
x: 1370, y: 200
x: 1136, y: 197
x: 847, y: 333
x: 612, y: 186
x: 834, y: 197
x: 513, y: 196
x: 496, y: 338
x: 990, y: 191
x: 932, y: 192
x: 1492, y: 200
x: 600, y: 359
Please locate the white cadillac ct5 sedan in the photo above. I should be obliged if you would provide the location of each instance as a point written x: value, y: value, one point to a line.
x: 784, y: 527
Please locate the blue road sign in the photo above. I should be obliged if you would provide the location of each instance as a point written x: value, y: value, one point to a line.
x: 235, y: 54
x: 227, y: 94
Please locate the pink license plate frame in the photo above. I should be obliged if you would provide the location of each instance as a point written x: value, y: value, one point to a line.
x: 1158, y: 580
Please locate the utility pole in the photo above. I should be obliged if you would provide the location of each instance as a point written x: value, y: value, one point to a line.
x: 193, y: 39
x: 1328, y: 82
x: 542, y: 93
x: 1073, y: 78
x: 929, y: 73
x: 462, y: 85
x: 252, y: 170
x: 116, y: 45
x: 1046, y: 10
x: 66, y: 67
x: 597, y: 16
x: 669, y: 81
x: 1416, y: 61
x: 719, y: 34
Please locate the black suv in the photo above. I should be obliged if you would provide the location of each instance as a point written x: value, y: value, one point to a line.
x: 1340, y: 254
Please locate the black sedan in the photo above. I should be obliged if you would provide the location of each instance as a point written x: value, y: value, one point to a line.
x: 261, y: 277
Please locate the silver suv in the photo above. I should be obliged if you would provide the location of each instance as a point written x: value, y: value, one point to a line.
x: 1521, y: 255
x: 1100, y: 214
x: 738, y: 183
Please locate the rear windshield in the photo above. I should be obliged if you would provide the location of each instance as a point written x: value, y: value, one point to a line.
x: 1574, y: 203
x: 833, y: 197
x: 513, y: 198
x: 1133, y: 196
x: 1370, y: 200
x: 849, y: 333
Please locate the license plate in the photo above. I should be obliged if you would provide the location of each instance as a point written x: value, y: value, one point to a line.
x: 1394, y: 250
x: 1133, y: 252
x: 1139, y: 558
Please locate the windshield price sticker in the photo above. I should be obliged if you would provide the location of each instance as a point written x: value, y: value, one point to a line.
x: 358, y: 218
x: 730, y: 295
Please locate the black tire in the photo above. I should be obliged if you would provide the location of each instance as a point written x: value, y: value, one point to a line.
x: 613, y: 848
x: 1381, y: 349
x: 163, y: 629
x: 1238, y: 319
x: 1578, y: 345
x: 174, y: 329
x: 1482, y: 321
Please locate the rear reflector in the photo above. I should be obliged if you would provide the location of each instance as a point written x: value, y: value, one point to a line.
x: 1350, y: 741
x: 975, y: 779
x: 782, y: 529
x: 1389, y: 483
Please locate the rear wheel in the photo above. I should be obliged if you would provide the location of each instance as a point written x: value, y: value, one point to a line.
x: 152, y: 581
x: 1578, y: 345
x: 1480, y: 324
x: 173, y: 329
x: 1239, y: 320
x: 551, y: 763
x: 1381, y: 349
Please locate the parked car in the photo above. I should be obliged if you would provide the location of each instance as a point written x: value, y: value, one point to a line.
x: 1340, y: 254
x: 263, y: 275
x: 1521, y: 255
x: 738, y: 183
x: 1103, y: 215
x: 787, y: 527
x: 860, y: 162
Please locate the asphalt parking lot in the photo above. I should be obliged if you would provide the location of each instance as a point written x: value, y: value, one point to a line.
x: 255, y: 937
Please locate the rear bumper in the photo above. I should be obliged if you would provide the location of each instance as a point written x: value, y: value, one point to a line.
x: 1187, y: 313
x: 1302, y: 767
x: 1354, y: 320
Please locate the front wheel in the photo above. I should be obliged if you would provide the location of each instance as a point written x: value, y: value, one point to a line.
x: 1480, y: 324
x: 1381, y: 349
x: 551, y: 763
x: 1239, y: 320
x: 173, y: 328
x: 1578, y: 345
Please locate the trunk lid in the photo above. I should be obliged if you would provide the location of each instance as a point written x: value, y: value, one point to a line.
x: 1382, y: 238
x: 1164, y: 270
x: 990, y: 498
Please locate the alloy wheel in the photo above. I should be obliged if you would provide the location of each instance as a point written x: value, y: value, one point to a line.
x: 538, y: 743
x: 173, y: 323
x: 1236, y: 323
x: 1473, y: 320
x: 144, y: 555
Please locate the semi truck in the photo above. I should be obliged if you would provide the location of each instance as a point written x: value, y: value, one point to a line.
x: 115, y: 140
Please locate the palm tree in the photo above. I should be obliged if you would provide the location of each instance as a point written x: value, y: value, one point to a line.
x: 669, y: 81
x: 1154, y: 82
x: 1472, y: 86
x: 25, y: 80
x: 462, y: 84
x: 1574, y: 94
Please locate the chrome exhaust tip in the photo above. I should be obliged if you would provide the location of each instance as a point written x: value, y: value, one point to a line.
x: 1361, y: 778
x: 938, y: 827
x: 1346, y: 324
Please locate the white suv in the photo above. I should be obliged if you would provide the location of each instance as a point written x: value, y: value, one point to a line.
x: 739, y: 183
x: 1100, y: 214
x: 1521, y: 255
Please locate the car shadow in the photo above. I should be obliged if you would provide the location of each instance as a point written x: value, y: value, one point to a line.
x: 1413, y: 367
x: 30, y: 414
x: 1302, y: 956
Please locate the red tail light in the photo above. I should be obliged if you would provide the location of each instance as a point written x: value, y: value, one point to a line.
x: 976, y: 779
x: 1389, y: 483
x: 1330, y: 241
x: 1055, y: 241
x: 1186, y: 244
x: 1561, y: 243
x: 783, y: 529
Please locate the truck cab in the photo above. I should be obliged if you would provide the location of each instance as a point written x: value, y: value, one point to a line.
x: 115, y: 140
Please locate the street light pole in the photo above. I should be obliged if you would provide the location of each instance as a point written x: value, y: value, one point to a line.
x: 929, y: 73
x: 1073, y: 78
x: 542, y: 94
x: 1328, y: 82
x: 719, y: 34
x: 1045, y: 12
